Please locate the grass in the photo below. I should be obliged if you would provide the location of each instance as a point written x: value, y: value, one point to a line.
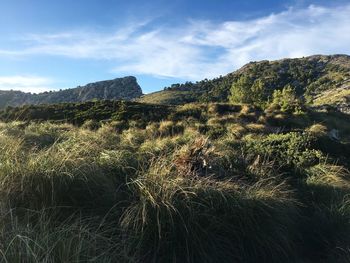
x: 207, y: 183
x: 202, y: 220
x: 318, y: 130
x: 167, y: 97
x: 39, y: 238
x: 333, y: 97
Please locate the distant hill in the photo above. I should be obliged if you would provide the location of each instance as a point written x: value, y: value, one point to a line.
x: 311, y: 77
x: 125, y: 88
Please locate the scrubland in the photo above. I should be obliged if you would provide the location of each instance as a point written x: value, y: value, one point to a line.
x: 207, y: 183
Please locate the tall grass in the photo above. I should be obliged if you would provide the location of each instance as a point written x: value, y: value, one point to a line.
x: 177, y: 219
x: 38, y: 237
x: 207, y: 185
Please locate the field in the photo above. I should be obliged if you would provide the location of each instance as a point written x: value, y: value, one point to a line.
x: 193, y: 183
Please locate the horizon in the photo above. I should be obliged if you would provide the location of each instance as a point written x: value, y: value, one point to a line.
x: 51, y: 46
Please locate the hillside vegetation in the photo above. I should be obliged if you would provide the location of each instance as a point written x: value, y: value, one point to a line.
x: 218, y: 182
x: 116, y: 89
x: 309, y: 76
x: 250, y: 167
x: 78, y: 113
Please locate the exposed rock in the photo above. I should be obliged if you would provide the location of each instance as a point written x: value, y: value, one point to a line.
x: 125, y: 88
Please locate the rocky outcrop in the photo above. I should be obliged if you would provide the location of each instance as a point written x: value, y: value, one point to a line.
x: 125, y: 88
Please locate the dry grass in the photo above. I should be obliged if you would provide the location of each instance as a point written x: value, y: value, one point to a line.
x: 169, y: 192
x: 237, y: 129
x: 329, y: 175
x: 255, y: 127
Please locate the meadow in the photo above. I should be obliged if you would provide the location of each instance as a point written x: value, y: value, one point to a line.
x: 198, y: 183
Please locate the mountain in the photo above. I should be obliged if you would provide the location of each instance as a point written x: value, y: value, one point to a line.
x: 125, y: 88
x: 312, y: 77
x: 319, y: 79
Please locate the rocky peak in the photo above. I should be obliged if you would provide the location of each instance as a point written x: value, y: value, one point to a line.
x: 125, y: 88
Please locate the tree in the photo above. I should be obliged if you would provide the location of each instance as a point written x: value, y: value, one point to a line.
x: 245, y: 90
x: 257, y: 93
x: 240, y: 90
x: 286, y: 100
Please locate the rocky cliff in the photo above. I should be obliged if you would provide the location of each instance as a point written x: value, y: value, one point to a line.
x: 125, y: 88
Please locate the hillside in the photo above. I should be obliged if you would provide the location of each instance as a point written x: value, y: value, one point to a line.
x: 310, y: 76
x: 125, y: 88
x: 315, y: 78
x: 107, y: 180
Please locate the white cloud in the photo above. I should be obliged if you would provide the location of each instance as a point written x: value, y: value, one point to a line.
x: 203, y: 49
x: 32, y: 84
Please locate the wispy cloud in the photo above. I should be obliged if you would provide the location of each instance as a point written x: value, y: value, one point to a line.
x: 32, y: 84
x: 202, y: 49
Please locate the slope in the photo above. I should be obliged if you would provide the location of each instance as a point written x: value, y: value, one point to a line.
x: 310, y: 76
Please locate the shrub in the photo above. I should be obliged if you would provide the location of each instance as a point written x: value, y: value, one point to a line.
x: 286, y: 100
x: 290, y: 149
x: 247, y: 90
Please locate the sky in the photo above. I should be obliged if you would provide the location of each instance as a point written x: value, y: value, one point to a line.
x: 50, y: 45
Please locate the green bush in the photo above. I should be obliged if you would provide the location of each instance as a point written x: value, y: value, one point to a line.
x: 247, y: 90
x: 291, y: 149
x: 286, y: 100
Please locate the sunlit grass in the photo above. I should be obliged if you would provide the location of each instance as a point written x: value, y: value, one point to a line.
x: 209, y: 184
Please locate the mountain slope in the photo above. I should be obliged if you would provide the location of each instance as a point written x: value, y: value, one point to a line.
x: 310, y: 76
x: 125, y: 88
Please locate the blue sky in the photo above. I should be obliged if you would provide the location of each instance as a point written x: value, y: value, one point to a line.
x: 48, y: 45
